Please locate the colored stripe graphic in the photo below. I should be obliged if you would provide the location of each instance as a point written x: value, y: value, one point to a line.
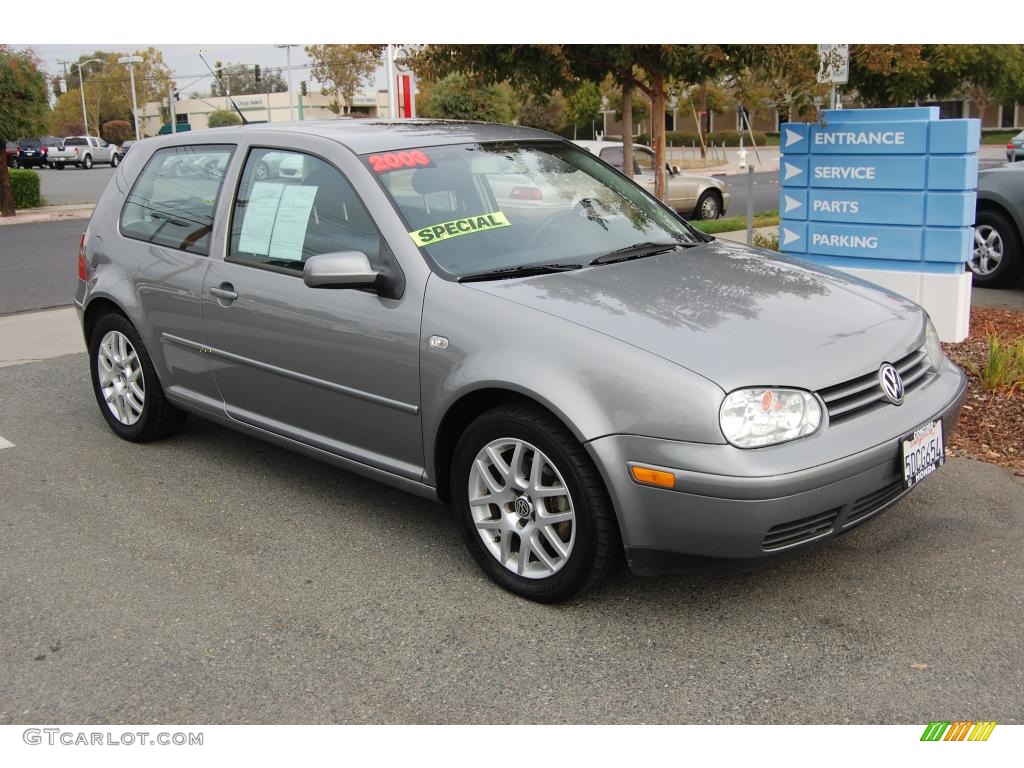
x: 958, y: 730
x: 934, y: 730
x: 982, y: 730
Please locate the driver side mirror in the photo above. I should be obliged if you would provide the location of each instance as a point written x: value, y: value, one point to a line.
x: 345, y: 269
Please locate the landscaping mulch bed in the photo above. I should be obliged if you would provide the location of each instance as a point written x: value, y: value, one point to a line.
x: 992, y: 422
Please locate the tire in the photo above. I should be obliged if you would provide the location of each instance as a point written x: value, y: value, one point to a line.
x: 156, y: 418
x: 15, y: 163
x: 114, y: 161
x: 59, y: 166
x: 709, y: 205
x: 549, y: 575
x: 997, y: 260
x: 87, y: 162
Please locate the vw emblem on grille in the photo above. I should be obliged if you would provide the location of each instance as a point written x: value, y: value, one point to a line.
x: 892, y: 384
x: 523, y: 507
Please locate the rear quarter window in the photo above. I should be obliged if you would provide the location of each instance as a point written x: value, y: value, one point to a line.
x: 174, y: 198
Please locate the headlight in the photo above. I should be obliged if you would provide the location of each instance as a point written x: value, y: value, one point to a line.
x: 754, y: 417
x: 932, y: 345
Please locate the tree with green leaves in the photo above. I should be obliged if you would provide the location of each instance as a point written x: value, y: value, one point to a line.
x: 24, y: 109
x: 455, y: 98
x: 342, y: 70
x: 240, y: 79
x: 544, y: 111
x: 583, y: 105
x: 222, y: 117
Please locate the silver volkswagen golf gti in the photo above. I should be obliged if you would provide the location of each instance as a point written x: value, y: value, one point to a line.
x: 495, y: 318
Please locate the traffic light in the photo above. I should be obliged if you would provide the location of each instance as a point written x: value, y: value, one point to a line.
x: 256, y: 72
x: 302, y: 88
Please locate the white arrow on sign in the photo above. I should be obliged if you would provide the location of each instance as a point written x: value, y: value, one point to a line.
x: 789, y: 236
x: 791, y: 204
x: 791, y: 171
x: 792, y: 137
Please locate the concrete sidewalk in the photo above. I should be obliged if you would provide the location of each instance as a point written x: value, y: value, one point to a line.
x: 50, y: 213
x: 31, y: 336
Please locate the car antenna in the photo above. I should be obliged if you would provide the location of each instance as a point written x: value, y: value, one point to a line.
x: 215, y: 77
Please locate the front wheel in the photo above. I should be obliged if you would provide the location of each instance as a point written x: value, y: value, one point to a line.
x: 114, y: 161
x: 709, y: 206
x: 126, y: 386
x: 532, y: 507
x: 996, y: 260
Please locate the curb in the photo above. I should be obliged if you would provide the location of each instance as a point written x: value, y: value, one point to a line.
x: 49, y: 213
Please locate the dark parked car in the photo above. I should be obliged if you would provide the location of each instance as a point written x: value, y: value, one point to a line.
x: 33, y: 153
x: 11, y: 154
x: 123, y: 150
x: 997, y: 260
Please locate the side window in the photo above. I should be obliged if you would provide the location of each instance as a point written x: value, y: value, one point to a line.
x: 102, y: 143
x: 644, y: 161
x: 173, y: 200
x: 612, y: 156
x: 291, y: 206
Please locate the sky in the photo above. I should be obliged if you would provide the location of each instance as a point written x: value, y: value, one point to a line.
x: 184, y: 59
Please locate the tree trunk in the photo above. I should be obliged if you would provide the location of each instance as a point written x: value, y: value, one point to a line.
x: 658, y: 135
x: 703, y: 117
x: 627, y: 128
x: 6, y: 194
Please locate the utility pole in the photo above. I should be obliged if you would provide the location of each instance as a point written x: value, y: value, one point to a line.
x: 81, y: 92
x: 131, y: 61
x: 288, y: 59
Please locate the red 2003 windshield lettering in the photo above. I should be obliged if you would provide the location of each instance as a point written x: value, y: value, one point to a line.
x: 390, y: 161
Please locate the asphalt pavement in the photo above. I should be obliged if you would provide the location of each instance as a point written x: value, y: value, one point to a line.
x: 765, y: 186
x: 215, y: 578
x: 73, y: 185
x: 38, y: 264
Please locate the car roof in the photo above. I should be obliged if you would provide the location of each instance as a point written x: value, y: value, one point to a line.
x: 596, y: 146
x: 362, y: 135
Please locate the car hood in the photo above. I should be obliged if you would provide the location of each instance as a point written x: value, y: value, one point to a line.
x: 738, y: 316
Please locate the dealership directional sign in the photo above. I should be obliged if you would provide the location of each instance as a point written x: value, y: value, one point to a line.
x: 880, y: 189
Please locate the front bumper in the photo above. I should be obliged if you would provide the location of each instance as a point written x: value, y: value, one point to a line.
x: 733, y: 508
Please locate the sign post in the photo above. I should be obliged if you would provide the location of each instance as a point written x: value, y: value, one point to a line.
x: 834, y: 67
x: 887, y: 195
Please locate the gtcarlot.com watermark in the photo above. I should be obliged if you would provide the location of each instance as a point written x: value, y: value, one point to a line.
x: 75, y: 738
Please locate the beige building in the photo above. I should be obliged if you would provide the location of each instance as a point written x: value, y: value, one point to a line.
x: 258, y: 107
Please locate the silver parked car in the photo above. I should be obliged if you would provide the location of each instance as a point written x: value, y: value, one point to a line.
x: 997, y: 259
x: 578, y: 378
x: 699, y: 197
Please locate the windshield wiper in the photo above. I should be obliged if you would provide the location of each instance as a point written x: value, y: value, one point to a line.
x: 527, y: 270
x: 638, y: 251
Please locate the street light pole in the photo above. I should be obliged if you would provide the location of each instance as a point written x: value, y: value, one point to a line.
x: 288, y: 59
x: 81, y: 91
x: 131, y: 61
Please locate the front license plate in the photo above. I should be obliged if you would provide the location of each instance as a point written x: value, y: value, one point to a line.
x: 922, y: 453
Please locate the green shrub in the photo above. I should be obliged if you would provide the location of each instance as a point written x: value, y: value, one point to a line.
x: 25, y: 187
x: 1004, y: 366
x: 769, y: 241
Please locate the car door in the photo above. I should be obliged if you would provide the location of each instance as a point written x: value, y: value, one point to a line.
x: 166, y: 229
x: 337, y: 369
x: 103, y: 152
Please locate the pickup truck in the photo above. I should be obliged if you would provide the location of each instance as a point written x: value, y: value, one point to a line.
x: 84, y: 152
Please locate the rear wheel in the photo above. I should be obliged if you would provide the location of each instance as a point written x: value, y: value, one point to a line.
x: 532, y: 507
x: 59, y: 166
x: 709, y: 206
x: 87, y: 162
x: 126, y: 385
x: 997, y: 260
x: 114, y: 160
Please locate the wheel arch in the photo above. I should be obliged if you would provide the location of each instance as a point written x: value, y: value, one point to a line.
x: 97, y: 308
x: 463, y: 411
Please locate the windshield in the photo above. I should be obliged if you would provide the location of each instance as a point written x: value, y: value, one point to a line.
x: 483, y: 207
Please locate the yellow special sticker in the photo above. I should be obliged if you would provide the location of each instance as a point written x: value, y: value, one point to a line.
x: 449, y: 229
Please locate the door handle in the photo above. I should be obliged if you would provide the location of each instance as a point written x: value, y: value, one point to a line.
x: 225, y: 291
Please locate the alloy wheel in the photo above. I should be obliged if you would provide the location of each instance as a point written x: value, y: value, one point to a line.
x: 121, y: 378
x: 988, y: 250
x: 709, y: 208
x: 522, y: 508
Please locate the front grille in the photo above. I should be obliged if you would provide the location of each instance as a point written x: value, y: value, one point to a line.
x: 864, y: 393
x: 799, y: 531
x: 868, y: 505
